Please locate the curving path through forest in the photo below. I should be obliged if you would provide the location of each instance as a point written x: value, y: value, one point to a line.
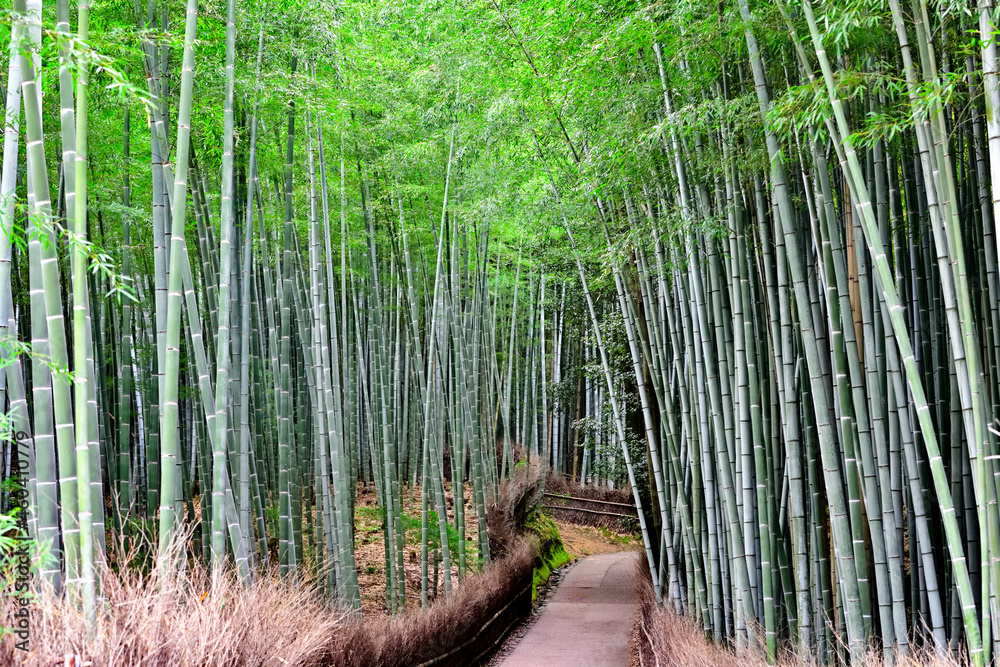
x: 588, y: 621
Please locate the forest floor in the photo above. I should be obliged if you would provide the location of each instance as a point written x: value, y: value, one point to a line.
x: 369, y: 547
x: 581, y: 541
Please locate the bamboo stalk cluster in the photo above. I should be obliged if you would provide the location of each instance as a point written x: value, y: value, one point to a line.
x: 813, y: 340
x: 238, y: 377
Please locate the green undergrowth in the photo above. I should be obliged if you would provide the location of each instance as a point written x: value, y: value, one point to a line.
x: 370, y: 521
x: 551, y: 552
x: 629, y: 540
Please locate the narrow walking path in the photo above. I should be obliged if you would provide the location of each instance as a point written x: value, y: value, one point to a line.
x: 588, y: 621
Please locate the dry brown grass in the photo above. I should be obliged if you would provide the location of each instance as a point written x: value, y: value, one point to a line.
x: 667, y: 639
x: 271, y: 623
x: 418, y: 636
x: 151, y: 621
x: 506, y: 514
x: 156, y: 621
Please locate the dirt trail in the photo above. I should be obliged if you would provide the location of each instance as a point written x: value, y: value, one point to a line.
x: 582, y: 541
x: 588, y: 621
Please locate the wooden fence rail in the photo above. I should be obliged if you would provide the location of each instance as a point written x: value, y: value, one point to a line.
x: 600, y: 512
x: 590, y: 500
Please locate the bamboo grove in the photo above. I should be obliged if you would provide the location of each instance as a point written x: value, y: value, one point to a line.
x: 803, y: 248
x: 739, y: 257
x: 233, y: 375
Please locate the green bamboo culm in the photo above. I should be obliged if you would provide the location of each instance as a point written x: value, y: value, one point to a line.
x: 169, y: 443
x: 83, y: 375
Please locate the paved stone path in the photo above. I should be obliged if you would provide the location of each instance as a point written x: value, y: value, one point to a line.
x: 588, y: 621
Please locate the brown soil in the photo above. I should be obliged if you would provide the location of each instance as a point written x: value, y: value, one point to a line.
x: 369, y: 548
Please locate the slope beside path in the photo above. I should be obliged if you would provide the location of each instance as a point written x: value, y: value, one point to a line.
x: 588, y: 621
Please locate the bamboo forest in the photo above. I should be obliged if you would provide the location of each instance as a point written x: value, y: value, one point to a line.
x: 331, y: 329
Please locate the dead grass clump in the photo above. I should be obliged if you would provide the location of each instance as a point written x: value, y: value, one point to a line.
x: 667, y: 639
x: 418, y: 635
x: 156, y: 621
x: 507, y: 513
